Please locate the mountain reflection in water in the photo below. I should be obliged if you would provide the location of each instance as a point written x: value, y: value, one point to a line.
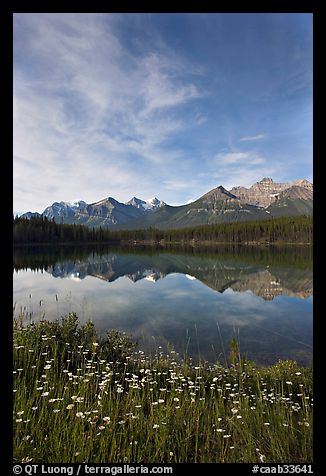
x: 266, y: 282
x: 181, y: 300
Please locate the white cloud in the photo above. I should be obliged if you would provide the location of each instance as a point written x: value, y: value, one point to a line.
x: 253, y: 138
x: 200, y: 119
x: 160, y: 90
x: 176, y: 184
x: 232, y: 168
x: 247, y: 158
x: 91, y: 119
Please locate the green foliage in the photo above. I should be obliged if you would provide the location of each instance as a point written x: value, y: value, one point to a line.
x: 270, y: 231
x: 234, y: 352
x: 39, y: 257
x: 101, y: 402
x: 70, y: 337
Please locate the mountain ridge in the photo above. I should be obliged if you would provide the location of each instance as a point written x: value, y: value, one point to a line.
x: 264, y: 199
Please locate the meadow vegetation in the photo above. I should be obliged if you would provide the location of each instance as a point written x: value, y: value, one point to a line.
x: 82, y: 398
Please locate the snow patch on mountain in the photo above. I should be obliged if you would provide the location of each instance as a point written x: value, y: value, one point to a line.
x: 152, y: 204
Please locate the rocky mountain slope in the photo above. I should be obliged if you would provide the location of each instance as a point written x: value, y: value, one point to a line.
x: 266, y: 192
x: 264, y: 199
x: 263, y: 281
x: 106, y: 213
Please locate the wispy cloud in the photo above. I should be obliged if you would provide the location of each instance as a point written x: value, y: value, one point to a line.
x: 242, y: 168
x: 148, y: 105
x: 245, y: 158
x: 200, y: 119
x: 253, y: 138
x: 92, y: 112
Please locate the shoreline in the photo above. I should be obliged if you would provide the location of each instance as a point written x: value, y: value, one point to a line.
x: 163, y: 243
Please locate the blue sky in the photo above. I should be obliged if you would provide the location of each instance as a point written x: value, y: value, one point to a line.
x: 166, y: 105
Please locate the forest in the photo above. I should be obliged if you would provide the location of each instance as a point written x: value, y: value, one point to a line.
x: 275, y: 230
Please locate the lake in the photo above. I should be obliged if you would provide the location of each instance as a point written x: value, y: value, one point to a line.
x: 192, y: 300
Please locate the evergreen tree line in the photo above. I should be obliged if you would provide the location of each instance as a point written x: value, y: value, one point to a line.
x: 40, y: 257
x: 284, y: 229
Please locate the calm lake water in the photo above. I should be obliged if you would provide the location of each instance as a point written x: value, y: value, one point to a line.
x: 195, y: 300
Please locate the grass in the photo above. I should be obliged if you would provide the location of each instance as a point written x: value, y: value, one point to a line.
x: 79, y: 398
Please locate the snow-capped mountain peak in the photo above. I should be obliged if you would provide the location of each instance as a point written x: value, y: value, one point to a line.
x: 76, y: 204
x: 136, y: 202
x: 151, y: 204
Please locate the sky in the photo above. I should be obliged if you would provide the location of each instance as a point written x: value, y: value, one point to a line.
x: 166, y: 105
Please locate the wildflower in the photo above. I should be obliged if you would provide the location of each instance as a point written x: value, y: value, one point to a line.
x: 106, y: 418
x: 137, y: 406
x: 47, y: 367
x: 70, y: 406
x: 156, y: 426
x: 161, y: 400
x: 288, y: 382
x: 20, y: 413
x: 19, y: 420
x: 239, y: 416
x: 95, y: 344
x: 176, y: 399
x: 119, y: 390
x: 80, y: 415
x: 101, y: 427
x: 45, y: 394
x: 171, y: 453
x: 262, y: 458
x: 39, y: 388
x: 56, y: 410
x: 226, y: 436
x: 266, y: 424
x: 285, y: 424
x: 34, y: 408
x: 298, y: 373
x: 231, y: 447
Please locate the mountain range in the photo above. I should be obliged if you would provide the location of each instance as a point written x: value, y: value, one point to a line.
x: 266, y: 282
x: 264, y: 199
